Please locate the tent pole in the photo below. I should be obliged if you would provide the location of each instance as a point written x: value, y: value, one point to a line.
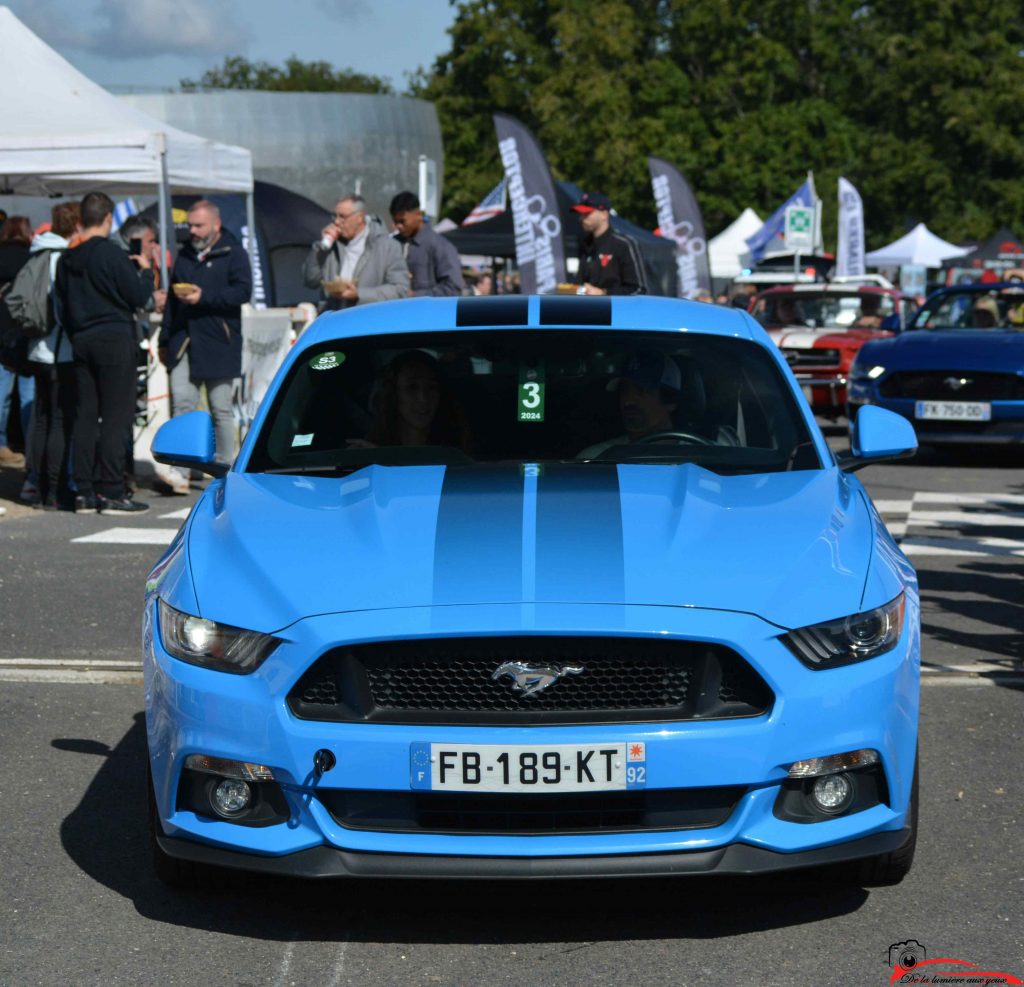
x: 250, y: 219
x: 164, y: 201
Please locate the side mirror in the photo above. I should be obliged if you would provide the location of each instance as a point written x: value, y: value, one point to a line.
x: 891, y: 323
x: 188, y: 441
x: 878, y: 435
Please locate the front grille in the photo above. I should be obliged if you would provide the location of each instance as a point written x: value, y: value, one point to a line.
x: 809, y: 359
x: 953, y: 385
x: 590, y: 812
x: 451, y: 681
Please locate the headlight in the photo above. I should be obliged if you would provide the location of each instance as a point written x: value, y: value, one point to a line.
x: 861, y: 371
x: 218, y: 646
x: 848, y: 639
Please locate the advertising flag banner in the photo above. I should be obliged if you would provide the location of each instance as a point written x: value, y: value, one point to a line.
x: 540, y: 252
x: 774, y: 225
x: 850, y: 252
x: 679, y: 219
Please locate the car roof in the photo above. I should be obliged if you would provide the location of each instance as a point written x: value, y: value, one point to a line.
x: 632, y: 313
x: 827, y: 289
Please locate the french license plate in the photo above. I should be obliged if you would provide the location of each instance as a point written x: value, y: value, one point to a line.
x: 528, y: 768
x: 956, y: 411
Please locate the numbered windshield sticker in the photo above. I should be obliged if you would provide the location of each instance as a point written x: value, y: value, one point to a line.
x: 327, y: 361
x: 531, y: 393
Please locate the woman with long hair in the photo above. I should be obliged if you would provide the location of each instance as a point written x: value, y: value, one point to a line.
x: 414, y: 406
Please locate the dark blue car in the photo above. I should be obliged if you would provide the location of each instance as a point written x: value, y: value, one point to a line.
x: 957, y: 372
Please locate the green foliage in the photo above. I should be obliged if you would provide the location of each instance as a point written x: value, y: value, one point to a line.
x: 297, y: 76
x: 917, y: 103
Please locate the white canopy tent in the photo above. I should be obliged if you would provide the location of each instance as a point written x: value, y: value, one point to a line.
x: 919, y: 248
x: 728, y: 251
x: 62, y: 134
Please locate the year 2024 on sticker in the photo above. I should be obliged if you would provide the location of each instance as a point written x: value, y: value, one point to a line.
x: 530, y: 396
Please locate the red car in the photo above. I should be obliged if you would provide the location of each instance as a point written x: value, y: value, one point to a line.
x: 820, y: 327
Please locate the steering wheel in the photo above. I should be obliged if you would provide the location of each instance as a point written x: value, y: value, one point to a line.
x: 696, y: 440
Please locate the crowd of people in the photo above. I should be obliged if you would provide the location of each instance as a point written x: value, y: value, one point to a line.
x: 76, y: 301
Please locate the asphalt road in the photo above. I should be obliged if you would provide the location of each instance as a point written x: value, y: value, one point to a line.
x: 79, y: 904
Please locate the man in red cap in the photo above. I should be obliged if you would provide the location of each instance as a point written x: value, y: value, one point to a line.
x: 610, y: 262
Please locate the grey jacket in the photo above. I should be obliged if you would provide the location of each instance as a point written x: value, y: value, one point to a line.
x: 380, y: 273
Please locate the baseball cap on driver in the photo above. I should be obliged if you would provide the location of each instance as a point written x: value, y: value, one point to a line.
x: 590, y: 201
x: 650, y: 370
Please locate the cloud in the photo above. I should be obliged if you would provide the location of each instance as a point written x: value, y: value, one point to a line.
x: 347, y: 10
x: 138, y: 28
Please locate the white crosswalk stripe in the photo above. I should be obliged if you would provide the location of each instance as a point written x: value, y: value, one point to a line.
x: 913, y: 524
x: 129, y: 536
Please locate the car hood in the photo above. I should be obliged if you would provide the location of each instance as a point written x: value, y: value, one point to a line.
x: 793, y: 548
x: 949, y: 349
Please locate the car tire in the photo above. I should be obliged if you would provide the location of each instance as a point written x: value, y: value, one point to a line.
x: 183, y: 875
x: 890, y: 868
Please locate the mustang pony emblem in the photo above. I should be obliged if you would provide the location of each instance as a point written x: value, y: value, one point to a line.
x: 529, y: 679
x: 955, y: 383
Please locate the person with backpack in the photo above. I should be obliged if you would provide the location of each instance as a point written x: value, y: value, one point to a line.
x: 97, y: 291
x: 50, y: 359
x: 15, y: 237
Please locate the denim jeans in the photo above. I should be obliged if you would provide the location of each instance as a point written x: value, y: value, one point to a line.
x: 185, y: 397
x: 26, y: 394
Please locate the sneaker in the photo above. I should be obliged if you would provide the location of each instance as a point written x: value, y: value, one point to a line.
x: 30, y: 494
x: 122, y: 505
x: 8, y: 457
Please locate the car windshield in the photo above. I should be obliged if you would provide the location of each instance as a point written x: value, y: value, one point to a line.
x: 534, y: 396
x: 998, y: 309
x: 825, y: 311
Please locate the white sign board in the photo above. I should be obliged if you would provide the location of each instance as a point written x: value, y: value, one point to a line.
x: 799, y: 229
x: 429, y: 198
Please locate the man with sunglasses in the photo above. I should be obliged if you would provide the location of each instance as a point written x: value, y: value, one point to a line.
x: 355, y: 260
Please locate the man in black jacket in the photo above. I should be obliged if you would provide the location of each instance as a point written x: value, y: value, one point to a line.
x: 201, y: 338
x: 98, y: 290
x: 610, y: 262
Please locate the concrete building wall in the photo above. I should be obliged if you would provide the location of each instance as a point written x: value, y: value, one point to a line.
x: 318, y: 144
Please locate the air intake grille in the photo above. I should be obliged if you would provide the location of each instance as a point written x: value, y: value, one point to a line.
x: 453, y: 681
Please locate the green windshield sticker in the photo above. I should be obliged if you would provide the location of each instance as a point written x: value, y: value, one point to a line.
x: 327, y: 361
x: 530, y: 403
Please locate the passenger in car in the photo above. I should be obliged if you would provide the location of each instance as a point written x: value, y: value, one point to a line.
x: 985, y: 314
x: 870, y: 314
x: 415, y: 406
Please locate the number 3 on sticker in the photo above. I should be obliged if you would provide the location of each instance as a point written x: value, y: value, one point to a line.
x: 530, y: 406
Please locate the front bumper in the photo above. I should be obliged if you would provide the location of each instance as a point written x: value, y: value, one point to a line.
x: 870, y: 705
x: 738, y: 858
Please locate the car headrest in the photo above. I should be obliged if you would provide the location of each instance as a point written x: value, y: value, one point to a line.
x: 692, y: 396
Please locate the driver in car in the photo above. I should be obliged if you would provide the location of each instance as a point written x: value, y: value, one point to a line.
x: 649, y: 390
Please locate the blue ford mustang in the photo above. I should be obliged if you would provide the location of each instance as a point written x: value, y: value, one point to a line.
x: 957, y: 373
x: 507, y: 587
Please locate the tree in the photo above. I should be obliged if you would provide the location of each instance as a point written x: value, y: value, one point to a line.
x: 915, y: 102
x: 296, y: 76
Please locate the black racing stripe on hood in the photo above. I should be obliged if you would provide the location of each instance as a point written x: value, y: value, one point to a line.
x: 579, y: 534
x: 478, y: 548
x: 492, y: 312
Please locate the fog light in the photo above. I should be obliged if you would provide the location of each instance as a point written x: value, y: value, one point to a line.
x: 231, y: 797
x: 833, y: 793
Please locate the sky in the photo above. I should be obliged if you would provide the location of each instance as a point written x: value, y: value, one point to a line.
x: 151, y: 45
